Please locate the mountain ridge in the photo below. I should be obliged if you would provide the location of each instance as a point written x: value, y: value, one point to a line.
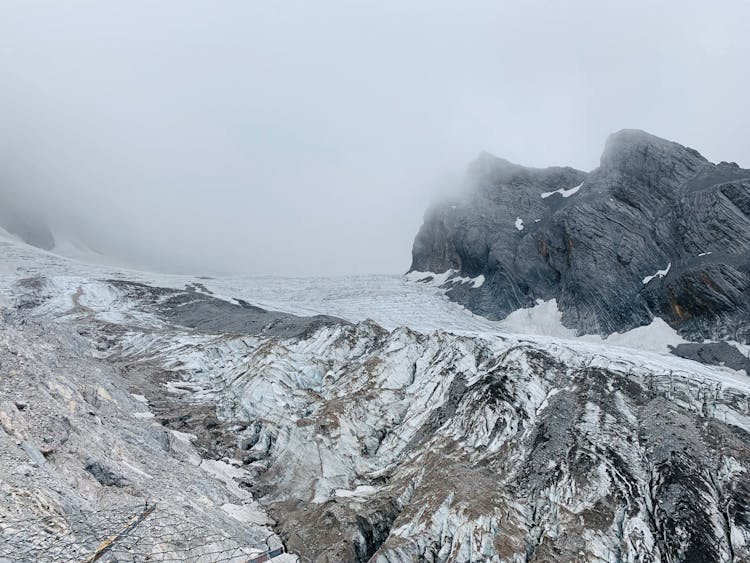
x: 597, y: 241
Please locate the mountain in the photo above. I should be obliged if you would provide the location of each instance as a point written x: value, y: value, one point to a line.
x: 29, y: 227
x: 655, y: 231
x: 349, y: 420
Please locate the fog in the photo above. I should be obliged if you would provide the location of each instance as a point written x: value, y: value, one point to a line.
x: 309, y: 137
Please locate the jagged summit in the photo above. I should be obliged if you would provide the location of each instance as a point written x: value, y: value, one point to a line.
x: 629, y: 142
x: 649, y: 160
x: 500, y: 179
x: 656, y: 231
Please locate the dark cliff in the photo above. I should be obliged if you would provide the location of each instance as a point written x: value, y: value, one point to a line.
x: 656, y: 231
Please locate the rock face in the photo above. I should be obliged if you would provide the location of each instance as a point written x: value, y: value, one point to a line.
x: 656, y: 231
x: 201, y: 311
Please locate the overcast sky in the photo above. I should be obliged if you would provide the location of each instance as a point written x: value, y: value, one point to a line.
x: 308, y: 137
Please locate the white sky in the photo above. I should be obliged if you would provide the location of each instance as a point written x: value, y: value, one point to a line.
x: 309, y: 137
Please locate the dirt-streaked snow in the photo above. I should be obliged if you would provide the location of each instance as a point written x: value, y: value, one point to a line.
x: 429, y: 430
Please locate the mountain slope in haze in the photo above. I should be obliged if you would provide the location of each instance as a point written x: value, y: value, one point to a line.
x: 29, y: 227
x: 656, y: 231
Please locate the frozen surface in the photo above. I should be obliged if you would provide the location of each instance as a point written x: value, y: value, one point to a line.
x: 658, y: 274
x: 446, y: 432
x: 416, y: 300
x: 563, y: 192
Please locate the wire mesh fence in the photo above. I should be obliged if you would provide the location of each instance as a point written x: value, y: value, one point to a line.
x: 134, y: 534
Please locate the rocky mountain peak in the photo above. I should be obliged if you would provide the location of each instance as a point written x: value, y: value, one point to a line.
x: 491, y: 170
x: 656, y: 231
x: 490, y: 174
x: 631, y: 142
x: 634, y: 152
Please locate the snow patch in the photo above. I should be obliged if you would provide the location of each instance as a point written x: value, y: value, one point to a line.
x: 439, y: 280
x: 542, y: 319
x: 431, y: 278
x: 743, y: 348
x: 655, y: 337
x: 545, y: 320
x: 475, y: 282
x: 227, y: 474
x: 478, y: 281
x: 360, y: 491
x: 247, y: 513
x: 134, y: 469
x: 519, y: 223
x: 182, y: 445
x: 658, y: 274
x: 563, y: 192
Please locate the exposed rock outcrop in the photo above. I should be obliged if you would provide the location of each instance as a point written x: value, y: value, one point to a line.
x: 656, y: 230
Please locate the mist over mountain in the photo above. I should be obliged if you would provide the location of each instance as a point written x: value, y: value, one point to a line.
x: 214, y: 348
x: 655, y: 231
x: 295, y: 138
x: 31, y: 229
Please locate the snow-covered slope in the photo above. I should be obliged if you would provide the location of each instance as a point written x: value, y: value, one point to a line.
x: 423, y: 434
x: 389, y: 300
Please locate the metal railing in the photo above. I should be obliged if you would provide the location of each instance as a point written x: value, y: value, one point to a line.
x: 137, y: 534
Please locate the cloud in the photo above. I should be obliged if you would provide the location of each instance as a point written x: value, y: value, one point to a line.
x: 308, y: 137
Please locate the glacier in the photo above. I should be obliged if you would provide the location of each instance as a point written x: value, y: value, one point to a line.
x: 364, y: 418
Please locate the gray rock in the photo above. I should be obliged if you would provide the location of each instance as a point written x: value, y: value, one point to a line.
x: 34, y: 454
x: 208, y: 314
x: 713, y: 353
x: 105, y: 475
x: 652, y: 205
